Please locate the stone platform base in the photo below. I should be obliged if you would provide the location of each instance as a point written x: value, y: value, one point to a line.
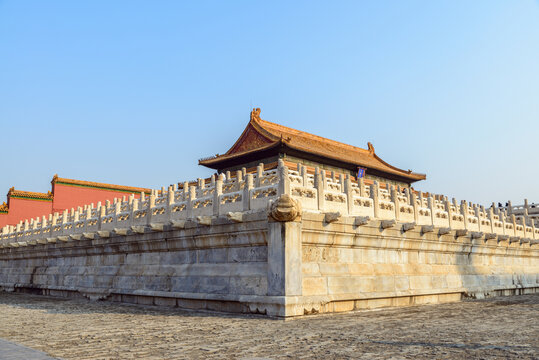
x: 377, y: 303
x: 271, y: 306
x: 275, y: 306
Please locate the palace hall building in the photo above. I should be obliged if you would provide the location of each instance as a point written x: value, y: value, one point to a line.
x: 266, y: 142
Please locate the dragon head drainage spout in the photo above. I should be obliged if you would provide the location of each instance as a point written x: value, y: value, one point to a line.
x: 285, y: 209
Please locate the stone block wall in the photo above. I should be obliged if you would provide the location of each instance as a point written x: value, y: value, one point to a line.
x: 346, y: 266
x: 202, y: 267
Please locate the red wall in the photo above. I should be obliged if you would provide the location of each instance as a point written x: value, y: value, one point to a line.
x: 22, y: 209
x: 67, y: 197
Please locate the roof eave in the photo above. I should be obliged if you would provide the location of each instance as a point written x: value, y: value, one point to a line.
x: 396, y: 172
x: 221, y: 161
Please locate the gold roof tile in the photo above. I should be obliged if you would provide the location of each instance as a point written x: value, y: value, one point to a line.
x: 262, y: 135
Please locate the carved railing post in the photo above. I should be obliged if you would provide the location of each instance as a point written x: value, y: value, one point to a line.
x: 501, y: 215
x: 26, y: 226
x: 477, y: 213
x: 284, y: 180
x: 117, y: 210
x: 217, y: 196
x: 375, y: 196
x: 348, y: 191
x: 491, y: 218
x: 55, y: 218
x: 239, y: 179
x: 76, y: 216
x: 259, y: 174
x: 319, y: 185
x: 464, y: 211
x: 449, y: 210
x: 170, y: 202
x: 247, y: 191
x: 185, y: 190
x: 102, y: 211
x: 415, y: 206
x: 361, y: 184
x: 525, y: 219
x: 191, y: 196
x: 304, y: 175
x: 151, y: 206
x: 133, y: 209
x: 432, y: 207
x: 396, y: 200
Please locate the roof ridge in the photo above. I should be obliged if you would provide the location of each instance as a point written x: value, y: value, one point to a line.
x: 254, y: 116
x: 30, y: 194
x: 300, y: 132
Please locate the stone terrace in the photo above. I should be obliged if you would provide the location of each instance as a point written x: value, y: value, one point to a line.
x: 282, y: 242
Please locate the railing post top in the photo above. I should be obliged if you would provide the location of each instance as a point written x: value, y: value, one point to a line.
x: 249, y: 179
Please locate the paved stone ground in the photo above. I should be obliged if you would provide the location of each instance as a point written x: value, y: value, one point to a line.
x: 499, y: 328
x: 11, y: 351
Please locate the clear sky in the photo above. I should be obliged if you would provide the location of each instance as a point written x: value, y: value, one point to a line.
x: 135, y: 92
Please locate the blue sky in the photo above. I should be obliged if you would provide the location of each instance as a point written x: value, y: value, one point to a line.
x: 135, y: 92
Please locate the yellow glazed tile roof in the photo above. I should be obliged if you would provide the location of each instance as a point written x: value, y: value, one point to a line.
x: 92, y: 184
x: 29, y: 194
x: 260, y: 135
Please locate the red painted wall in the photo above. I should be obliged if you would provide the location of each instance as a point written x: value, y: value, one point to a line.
x: 64, y: 197
x: 22, y: 209
x: 67, y: 197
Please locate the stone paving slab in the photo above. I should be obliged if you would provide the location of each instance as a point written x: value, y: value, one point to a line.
x: 496, y: 328
x: 12, y: 351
